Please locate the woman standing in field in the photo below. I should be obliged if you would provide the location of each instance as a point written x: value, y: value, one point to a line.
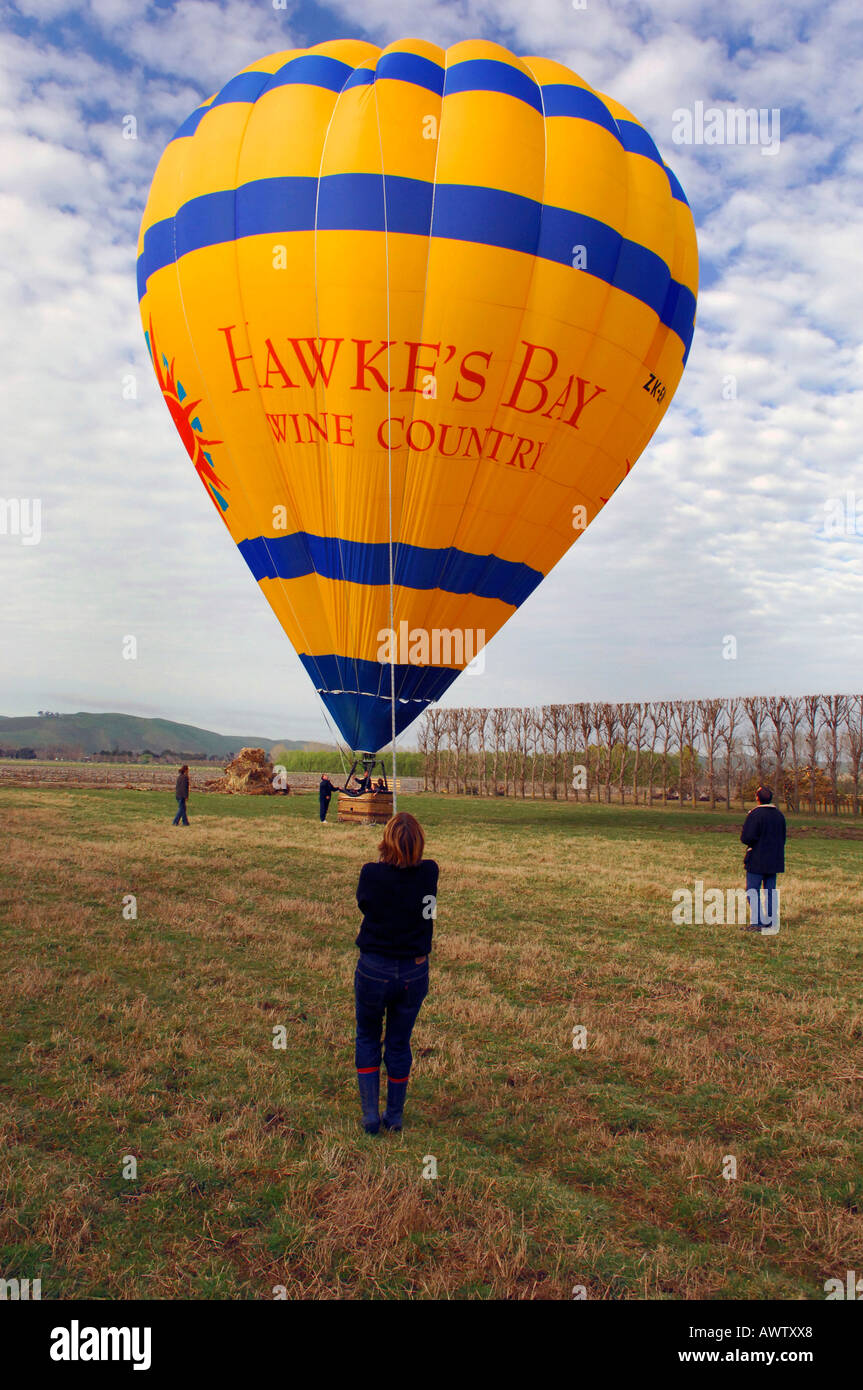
x: 181, y: 791
x: 398, y: 899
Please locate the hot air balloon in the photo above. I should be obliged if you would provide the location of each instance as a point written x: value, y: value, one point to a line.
x: 416, y: 313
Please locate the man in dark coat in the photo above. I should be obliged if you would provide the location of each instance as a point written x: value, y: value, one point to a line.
x: 325, y: 791
x: 764, y: 833
x: 181, y: 791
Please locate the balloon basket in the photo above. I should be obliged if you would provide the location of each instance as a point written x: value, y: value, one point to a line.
x: 371, y: 808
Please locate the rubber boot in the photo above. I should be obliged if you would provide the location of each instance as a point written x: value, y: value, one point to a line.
x: 370, y: 1087
x: 396, y: 1092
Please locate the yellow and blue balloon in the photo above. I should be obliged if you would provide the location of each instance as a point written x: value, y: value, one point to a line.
x: 415, y: 313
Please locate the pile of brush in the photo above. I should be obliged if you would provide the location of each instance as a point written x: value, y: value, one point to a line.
x: 250, y: 773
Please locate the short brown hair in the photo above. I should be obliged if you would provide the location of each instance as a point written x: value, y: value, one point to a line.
x: 403, y: 841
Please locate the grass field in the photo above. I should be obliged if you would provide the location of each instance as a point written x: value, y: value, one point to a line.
x: 600, y: 1167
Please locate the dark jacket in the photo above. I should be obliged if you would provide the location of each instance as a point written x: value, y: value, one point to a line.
x: 764, y: 830
x: 397, y: 918
x: 181, y: 791
x: 325, y: 789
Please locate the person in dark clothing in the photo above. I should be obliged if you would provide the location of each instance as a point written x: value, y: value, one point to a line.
x: 764, y: 832
x: 364, y: 783
x: 325, y: 791
x: 398, y: 899
x: 181, y: 791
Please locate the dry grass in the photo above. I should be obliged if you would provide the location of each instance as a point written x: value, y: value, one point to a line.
x: 153, y: 1037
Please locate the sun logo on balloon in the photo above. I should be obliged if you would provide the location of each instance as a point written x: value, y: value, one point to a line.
x: 188, y: 425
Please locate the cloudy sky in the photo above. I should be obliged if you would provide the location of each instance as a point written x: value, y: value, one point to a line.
x: 739, y: 519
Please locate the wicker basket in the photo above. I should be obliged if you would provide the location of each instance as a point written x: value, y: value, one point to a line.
x: 372, y: 808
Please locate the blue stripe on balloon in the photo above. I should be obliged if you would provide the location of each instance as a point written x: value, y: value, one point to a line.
x: 486, y: 216
x: 561, y: 99
x: 491, y: 217
x: 486, y: 75
x: 679, y: 313
x: 357, y: 695
x: 307, y: 69
x: 190, y: 124
x: 473, y: 75
x: 416, y: 567
x: 354, y: 676
x: 272, y: 205
x: 409, y: 67
x: 355, y: 203
x: 676, y: 187
x: 360, y: 77
x: 158, y: 252
x: 635, y: 140
x: 312, y: 70
x: 245, y: 87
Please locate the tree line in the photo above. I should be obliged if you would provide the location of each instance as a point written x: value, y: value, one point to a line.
x: 809, y: 748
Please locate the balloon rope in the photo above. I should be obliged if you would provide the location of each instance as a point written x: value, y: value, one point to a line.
x: 389, y: 471
x: 334, y: 737
x: 392, y: 607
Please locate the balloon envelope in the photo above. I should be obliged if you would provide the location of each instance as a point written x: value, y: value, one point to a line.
x: 415, y: 314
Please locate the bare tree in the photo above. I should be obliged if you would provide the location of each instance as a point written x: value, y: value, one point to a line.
x: 854, y: 730
x: 793, y: 718
x: 539, y: 750
x: 814, y: 725
x: 424, y: 745
x: 453, y: 731
x: 657, y: 729
x: 569, y: 737
x: 664, y: 713
x: 436, y: 722
x: 511, y: 750
x: 710, y: 715
x: 481, y: 718
x: 776, y: 712
x: 689, y: 730
x: 552, y: 726
x: 473, y: 747
x: 586, y: 721
x: 536, y: 739
x: 642, y: 723
x: 726, y: 734
x: 499, y: 725
x: 626, y: 715
x: 679, y: 728
x: 834, y: 718
x: 755, y: 709
x: 524, y: 720
x: 610, y: 728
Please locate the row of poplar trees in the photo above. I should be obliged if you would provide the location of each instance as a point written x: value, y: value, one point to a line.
x: 809, y: 748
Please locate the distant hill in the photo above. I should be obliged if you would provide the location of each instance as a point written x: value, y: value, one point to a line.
x: 71, y: 735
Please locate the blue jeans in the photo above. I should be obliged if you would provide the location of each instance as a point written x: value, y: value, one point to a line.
x: 762, y: 916
x: 324, y: 806
x: 181, y: 812
x: 397, y: 988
